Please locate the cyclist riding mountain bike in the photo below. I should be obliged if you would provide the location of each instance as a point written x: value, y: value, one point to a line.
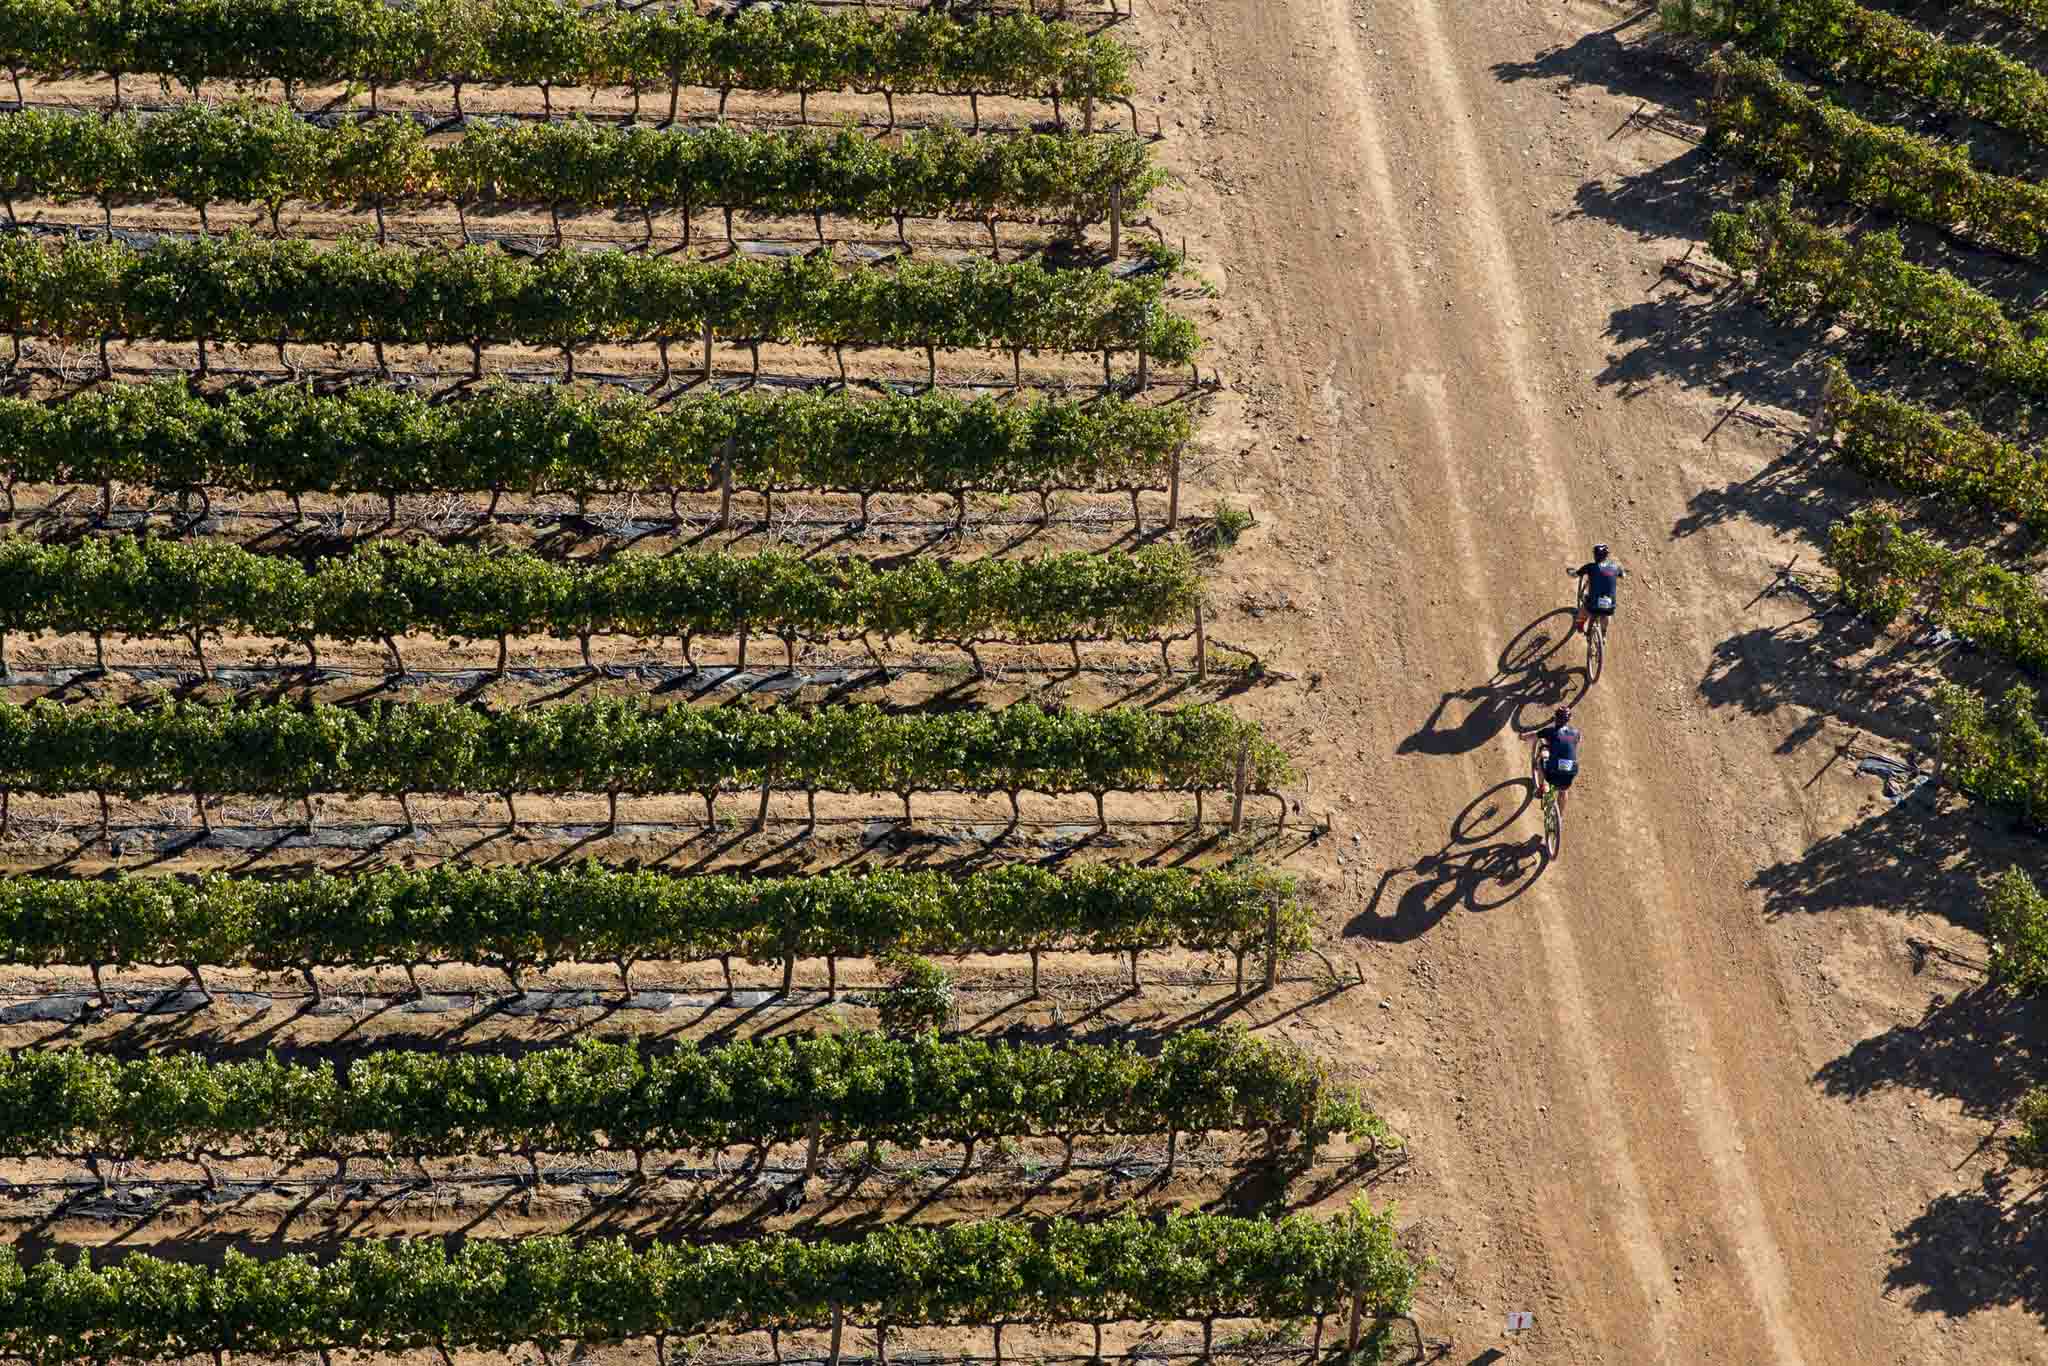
x: 1560, y: 741
x: 1601, y: 579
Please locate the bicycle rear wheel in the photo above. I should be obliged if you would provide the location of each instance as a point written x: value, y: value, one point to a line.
x: 1553, y: 823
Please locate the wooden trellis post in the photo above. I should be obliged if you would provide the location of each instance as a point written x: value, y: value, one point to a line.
x: 1244, y: 757
x: 1272, y: 944
x: 1201, y: 646
x: 725, y: 486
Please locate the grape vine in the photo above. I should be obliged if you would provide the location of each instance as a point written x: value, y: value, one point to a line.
x: 1882, y: 569
x: 1950, y: 457
x: 530, y: 919
x: 619, y: 745
x: 158, y: 588
x: 393, y: 1296
x: 551, y: 439
x: 2016, y: 923
x: 255, y: 153
x: 1759, y: 116
x: 1867, y: 285
x: 1843, y: 38
x: 793, y: 47
x: 1997, y: 752
x: 617, y: 1097
x: 243, y: 289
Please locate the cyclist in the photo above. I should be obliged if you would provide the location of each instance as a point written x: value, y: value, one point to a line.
x: 1558, y: 743
x: 1600, y: 584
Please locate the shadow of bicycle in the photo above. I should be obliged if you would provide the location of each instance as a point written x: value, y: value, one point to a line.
x: 1478, y: 869
x: 1530, y: 680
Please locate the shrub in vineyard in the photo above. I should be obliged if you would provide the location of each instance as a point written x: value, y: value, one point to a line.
x: 607, y: 1097
x: 530, y: 919
x: 1867, y: 285
x: 390, y: 1296
x: 243, y: 289
x: 551, y: 439
x: 1763, y: 118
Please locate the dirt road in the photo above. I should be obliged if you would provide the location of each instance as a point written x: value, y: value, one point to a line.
x: 1451, y: 372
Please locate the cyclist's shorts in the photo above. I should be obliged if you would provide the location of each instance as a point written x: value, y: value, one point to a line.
x: 1559, y: 779
x: 1593, y: 606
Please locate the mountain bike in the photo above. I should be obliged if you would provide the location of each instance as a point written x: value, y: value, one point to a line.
x: 1551, y: 798
x: 1595, y: 626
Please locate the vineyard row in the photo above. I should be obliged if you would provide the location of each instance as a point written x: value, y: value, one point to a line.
x: 143, y: 587
x: 1843, y: 38
x: 1882, y: 570
x: 599, y: 1097
x: 1997, y: 752
x: 548, y: 439
x: 1951, y: 457
x: 1868, y: 285
x: 388, y: 1297
x: 254, y: 153
x: 367, y: 43
x: 522, y: 920
x: 621, y: 745
x: 240, y: 289
x: 1759, y: 116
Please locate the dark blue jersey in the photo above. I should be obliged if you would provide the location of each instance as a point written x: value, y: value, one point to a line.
x: 1562, y: 755
x: 1603, y: 583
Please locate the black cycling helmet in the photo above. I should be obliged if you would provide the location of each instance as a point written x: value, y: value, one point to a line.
x: 1563, y: 717
x: 1599, y: 552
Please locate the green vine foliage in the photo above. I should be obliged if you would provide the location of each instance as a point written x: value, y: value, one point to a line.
x: 2030, y: 1143
x: 2033, y: 13
x: 619, y: 745
x: 1882, y: 569
x: 144, y: 587
x: 245, y: 289
x: 551, y: 439
x: 257, y: 153
x: 1997, y: 751
x: 530, y: 919
x: 920, y: 995
x: 1840, y: 38
x: 1950, y: 457
x: 598, y: 1097
x: 792, y: 47
x: 2016, y: 922
x: 1770, y: 123
x: 393, y: 1296
x: 1866, y: 284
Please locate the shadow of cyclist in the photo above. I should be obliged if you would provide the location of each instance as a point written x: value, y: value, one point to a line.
x: 1529, y: 676
x: 1478, y: 868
